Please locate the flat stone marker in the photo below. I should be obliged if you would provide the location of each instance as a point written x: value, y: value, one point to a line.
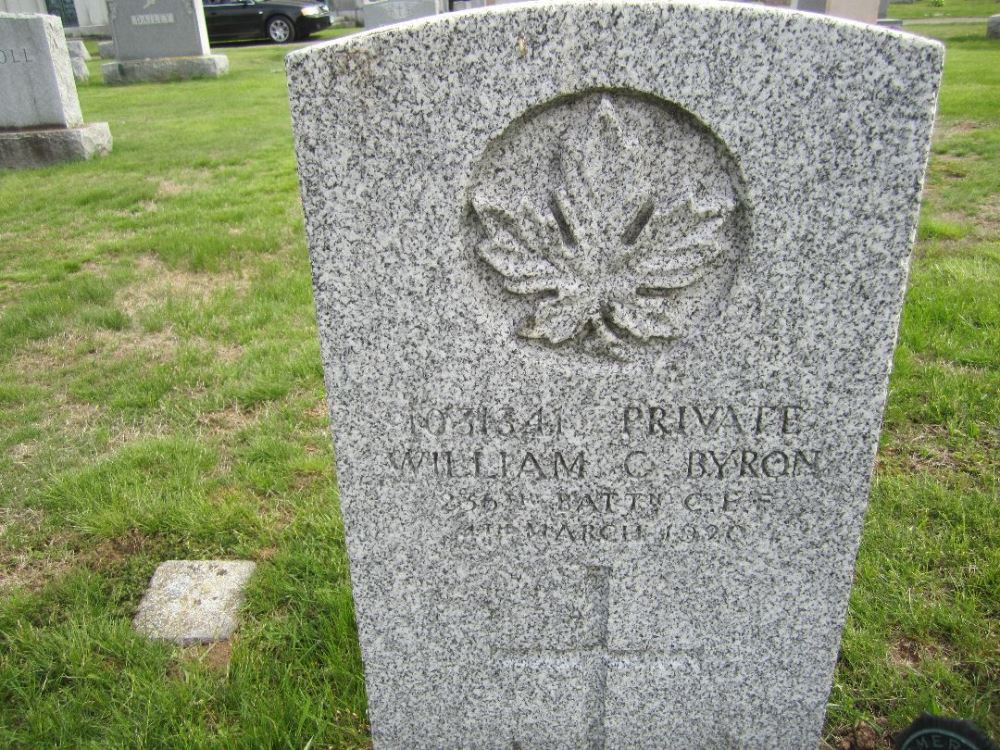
x: 40, y: 118
x: 193, y: 601
x: 160, y: 40
x: 607, y: 322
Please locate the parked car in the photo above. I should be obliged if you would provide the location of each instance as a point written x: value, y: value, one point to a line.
x: 277, y: 20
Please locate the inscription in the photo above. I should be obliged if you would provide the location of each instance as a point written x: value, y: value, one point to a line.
x: 152, y: 19
x: 744, y: 463
x: 483, y: 421
x: 704, y: 532
x: 556, y: 532
x: 15, y: 56
x: 489, y: 464
x: 700, y: 419
x: 660, y: 493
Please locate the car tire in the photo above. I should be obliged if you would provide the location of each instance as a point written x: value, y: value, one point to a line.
x: 280, y: 29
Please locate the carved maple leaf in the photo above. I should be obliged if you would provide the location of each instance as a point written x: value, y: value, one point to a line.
x: 603, y: 255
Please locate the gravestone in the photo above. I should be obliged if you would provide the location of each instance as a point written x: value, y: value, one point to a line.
x: 40, y: 118
x: 106, y: 49
x: 607, y: 323
x: 385, y: 12
x: 160, y: 40
x: 77, y: 49
x: 855, y: 10
x: 993, y: 27
x: 78, y: 56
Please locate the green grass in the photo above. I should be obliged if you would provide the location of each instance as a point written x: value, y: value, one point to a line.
x: 944, y: 9
x: 161, y: 397
x: 923, y: 631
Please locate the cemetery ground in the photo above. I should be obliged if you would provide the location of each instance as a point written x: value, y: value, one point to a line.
x: 161, y: 397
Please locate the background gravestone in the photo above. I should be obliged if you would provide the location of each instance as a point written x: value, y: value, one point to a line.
x: 385, y: 12
x: 160, y: 40
x: 40, y: 118
x: 77, y: 49
x: 78, y: 56
x: 856, y: 10
x: 607, y: 324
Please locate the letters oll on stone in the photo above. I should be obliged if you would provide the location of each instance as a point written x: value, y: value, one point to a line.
x: 40, y: 118
x: 607, y: 323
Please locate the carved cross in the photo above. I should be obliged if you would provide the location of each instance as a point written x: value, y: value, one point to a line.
x: 599, y: 580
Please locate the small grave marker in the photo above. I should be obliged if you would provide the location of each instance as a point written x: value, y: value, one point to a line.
x: 194, y: 601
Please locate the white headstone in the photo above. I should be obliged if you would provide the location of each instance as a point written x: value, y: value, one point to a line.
x: 607, y: 319
x: 77, y: 49
x: 36, y: 77
x: 40, y: 118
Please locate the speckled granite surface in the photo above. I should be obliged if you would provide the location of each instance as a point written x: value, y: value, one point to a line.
x: 608, y: 295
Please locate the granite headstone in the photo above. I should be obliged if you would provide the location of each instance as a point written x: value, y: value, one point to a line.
x: 40, y: 118
x: 160, y: 40
x: 607, y: 320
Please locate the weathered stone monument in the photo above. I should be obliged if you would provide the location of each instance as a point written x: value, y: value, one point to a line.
x: 40, y: 118
x: 607, y: 322
x: 78, y: 56
x: 77, y: 48
x: 160, y: 40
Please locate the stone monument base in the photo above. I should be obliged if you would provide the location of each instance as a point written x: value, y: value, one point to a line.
x: 27, y: 149
x: 161, y: 69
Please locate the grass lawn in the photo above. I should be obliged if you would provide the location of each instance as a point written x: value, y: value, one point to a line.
x: 161, y: 396
x: 944, y: 8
